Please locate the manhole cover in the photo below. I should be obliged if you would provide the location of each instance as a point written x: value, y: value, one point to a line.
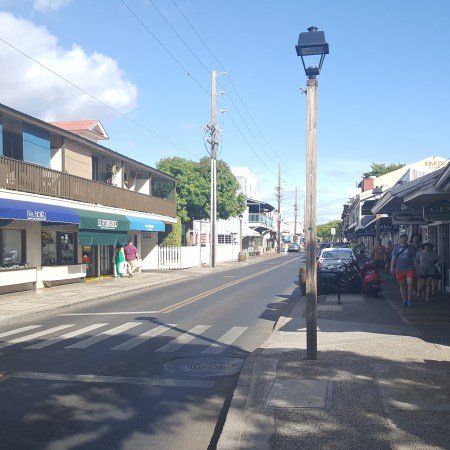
x: 205, y: 367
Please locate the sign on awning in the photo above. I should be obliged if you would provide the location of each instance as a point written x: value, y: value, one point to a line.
x: 38, y: 212
x: 93, y: 220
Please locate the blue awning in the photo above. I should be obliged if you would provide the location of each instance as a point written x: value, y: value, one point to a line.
x: 39, y: 212
x: 138, y: 223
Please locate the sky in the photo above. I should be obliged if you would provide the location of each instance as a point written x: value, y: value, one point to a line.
x: 143, y: 68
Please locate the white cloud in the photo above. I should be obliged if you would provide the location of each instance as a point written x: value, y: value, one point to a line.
x: 49, y: 5
x: 28, y: 87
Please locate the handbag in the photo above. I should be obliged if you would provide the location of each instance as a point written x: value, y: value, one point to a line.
x: 437, y: 273
x: 139, y: 263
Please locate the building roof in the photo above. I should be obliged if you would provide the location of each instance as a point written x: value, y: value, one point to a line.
x: 393, y: 198
x: 90, y: 128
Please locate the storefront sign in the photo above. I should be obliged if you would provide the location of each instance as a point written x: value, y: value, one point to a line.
x: 146, y: 235
x: 365, y: 232
x: 408, y: 217
x: 437, y: 211
x: 34, y: 214
x: 389, y: 227
x: 106, y: 224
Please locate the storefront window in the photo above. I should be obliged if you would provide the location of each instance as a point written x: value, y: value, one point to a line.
x: 66, y: 248
x: 48, y: 248
x: 12, y: 251
x: 57, y: 248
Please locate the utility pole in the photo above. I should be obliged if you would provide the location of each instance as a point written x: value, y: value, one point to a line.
x: 279, y: 197
x: 213, y: 142
x: 295, y: 216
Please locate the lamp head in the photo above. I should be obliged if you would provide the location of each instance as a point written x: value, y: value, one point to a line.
x: 312, y: 43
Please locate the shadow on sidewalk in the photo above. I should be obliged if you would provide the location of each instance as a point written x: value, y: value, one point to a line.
x: 376, y: 402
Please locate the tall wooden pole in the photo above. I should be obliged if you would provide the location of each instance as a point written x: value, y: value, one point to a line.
x: 310, y: 219
x: 213, y: 169
x: 279, y: 209
x: 295, y: 217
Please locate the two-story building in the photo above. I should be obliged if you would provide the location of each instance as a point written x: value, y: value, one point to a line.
x: 66, y: 201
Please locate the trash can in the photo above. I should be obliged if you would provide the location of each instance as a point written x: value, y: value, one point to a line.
x: 242, y: 256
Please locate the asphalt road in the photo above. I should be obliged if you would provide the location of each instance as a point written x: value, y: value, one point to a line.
x: 149, y: 370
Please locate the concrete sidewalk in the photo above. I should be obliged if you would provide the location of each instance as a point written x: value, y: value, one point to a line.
x: 379, y: 382
x: 21, y: 306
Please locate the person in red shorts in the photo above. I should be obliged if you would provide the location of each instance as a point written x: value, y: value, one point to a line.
x: 404, y: 266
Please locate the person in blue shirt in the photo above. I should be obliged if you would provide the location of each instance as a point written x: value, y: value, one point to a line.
x: 404, y: 267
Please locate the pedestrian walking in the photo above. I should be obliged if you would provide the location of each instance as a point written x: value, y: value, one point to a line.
x: 379, y: 257
x: 131, y: 256
x: 416, y: 241
x: 389, y: 248
x: 426, y: 261
x: 119, y: 260
x: 404, y: 267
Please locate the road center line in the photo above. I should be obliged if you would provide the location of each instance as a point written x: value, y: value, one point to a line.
x: 197, y: 297
x: 117, y: 313
x: 113, y: 380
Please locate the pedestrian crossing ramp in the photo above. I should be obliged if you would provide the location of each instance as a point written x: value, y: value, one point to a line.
x: 89, y: 336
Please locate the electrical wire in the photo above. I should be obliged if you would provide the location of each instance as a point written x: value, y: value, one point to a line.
x: 144, y: 127
x: 234, y: 88
x: 189, y: 73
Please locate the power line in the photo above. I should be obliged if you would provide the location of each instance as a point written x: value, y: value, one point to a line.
x: 189, y: 73
x: 235, y: 89
x: 144, y: 127
x: 179, y: 64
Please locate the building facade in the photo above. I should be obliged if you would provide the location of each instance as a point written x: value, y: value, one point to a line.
x: 66, y: 201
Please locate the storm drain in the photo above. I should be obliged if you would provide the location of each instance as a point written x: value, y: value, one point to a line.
x: 299, y: 394
x: 205, y: 366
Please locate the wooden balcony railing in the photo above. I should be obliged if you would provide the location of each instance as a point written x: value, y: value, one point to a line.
x: 26, y: 177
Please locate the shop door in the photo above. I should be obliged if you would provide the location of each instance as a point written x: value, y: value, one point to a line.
x: 106, y: 255
x: 89, y: 257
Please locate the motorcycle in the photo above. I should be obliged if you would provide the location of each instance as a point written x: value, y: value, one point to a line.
x: 343, y: 279
x: 370, y: 280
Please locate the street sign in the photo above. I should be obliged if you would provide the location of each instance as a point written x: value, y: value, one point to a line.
x: 333, y: 231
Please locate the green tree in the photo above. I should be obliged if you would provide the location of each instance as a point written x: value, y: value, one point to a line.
x: 378, y: 169
x: 324, y: 230
x: 173, y: 235
x: 193, y: 190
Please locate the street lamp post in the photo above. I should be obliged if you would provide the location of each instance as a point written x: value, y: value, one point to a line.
x: 311, y: 43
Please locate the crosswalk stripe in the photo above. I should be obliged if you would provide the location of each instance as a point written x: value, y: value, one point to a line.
x: 56, y: 339
x: 105, y: 335
x: 131, y: 343
x: 185, y: 338
x: 19, y: 330
x: 224, y: 341
x: 34, y: 335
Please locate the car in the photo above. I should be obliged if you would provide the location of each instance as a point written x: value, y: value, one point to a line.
x: 325, y: 245
x: 340, y: 245
x: 294, y: 247
x: 331, y: 258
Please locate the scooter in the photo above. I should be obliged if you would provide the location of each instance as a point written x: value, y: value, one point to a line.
x: 370, y: 280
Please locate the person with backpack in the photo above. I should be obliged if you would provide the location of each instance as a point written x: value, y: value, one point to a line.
x: 404, y: 267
